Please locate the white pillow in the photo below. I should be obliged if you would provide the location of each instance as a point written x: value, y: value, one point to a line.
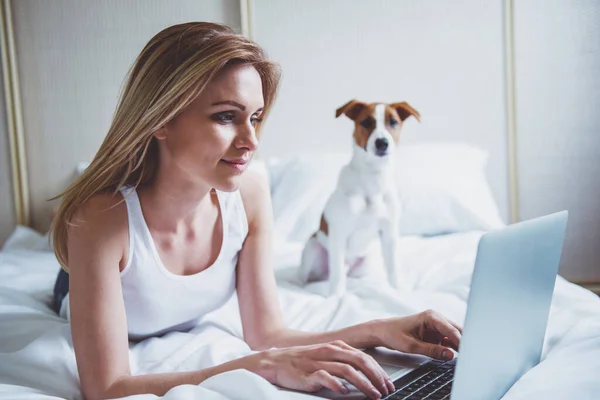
x: 442, y: 189
x: 300, y: 187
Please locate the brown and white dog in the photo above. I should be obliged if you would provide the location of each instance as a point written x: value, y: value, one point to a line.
x: 364, y: 205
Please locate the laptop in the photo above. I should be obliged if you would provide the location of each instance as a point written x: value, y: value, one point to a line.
x: 507, y: 314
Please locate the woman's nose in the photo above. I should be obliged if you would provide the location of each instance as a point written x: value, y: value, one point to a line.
x: 246, y: 138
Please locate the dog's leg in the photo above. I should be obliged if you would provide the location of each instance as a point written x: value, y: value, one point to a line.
x: 336, y: 248
x: 313, y: 265
x: 389, y: 250
x: 307, y: 261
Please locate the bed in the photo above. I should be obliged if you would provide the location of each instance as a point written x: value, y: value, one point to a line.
x: 437, y: 257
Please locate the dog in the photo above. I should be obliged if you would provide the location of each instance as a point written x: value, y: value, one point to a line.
x: 364, y: 206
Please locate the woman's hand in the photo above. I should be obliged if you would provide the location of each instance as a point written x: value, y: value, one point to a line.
x: 428, y: 333
x: 310, y: 368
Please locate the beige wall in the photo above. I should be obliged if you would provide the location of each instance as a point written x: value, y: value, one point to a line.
x: 73, y: 57
x: 558, y: 122
x: 7, y: 209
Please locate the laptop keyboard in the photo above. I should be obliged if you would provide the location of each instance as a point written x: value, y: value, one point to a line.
x: 432, y: 381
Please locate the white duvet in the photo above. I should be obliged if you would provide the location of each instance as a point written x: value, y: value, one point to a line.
x: 37, y: 360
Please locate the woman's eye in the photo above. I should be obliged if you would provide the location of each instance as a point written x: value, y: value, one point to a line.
x: 224, y: 117
x: 256, y: 121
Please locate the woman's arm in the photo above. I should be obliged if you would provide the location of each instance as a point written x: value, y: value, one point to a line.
x: 159, y: 384
x: 97, y: 252
x: 261, y: 314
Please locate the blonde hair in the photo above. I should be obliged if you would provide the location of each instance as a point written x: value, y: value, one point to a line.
x: 170, y: 72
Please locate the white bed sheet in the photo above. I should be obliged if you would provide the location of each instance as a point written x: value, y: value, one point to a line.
x: 37, y: 360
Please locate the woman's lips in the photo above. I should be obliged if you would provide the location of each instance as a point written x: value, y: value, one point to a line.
x: 239, y: 164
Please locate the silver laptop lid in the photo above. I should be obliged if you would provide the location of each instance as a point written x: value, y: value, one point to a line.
x: 508, y: 306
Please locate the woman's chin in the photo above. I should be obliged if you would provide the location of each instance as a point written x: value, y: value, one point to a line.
x: 228, y: 184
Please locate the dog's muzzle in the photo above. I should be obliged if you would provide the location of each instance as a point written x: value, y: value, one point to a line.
x: 381, y: 147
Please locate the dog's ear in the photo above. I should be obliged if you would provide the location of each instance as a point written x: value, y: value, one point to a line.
x: 351, y: 109
x: 405, y: 110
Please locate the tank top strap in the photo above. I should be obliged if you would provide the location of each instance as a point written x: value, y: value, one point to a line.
x: 233, y: 207
x: 140, y: 239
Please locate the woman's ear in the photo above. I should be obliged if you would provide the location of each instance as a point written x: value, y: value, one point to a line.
x: 160, y: 133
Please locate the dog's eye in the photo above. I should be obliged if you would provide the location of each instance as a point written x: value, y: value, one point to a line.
x: 367, y: 123
x: 393, y: 122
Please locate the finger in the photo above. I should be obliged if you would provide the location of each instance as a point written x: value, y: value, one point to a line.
x: 388, y: 382
x: 343, y: 345
x: 366, y: 364
x: 429, y: 349
x: 322, y: 378
x: 458, y: 327
x: 443, y: 326
x: 448, y: 343
x: 347, y: 372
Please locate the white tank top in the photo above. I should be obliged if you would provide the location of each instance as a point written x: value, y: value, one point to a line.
x: 158, y: 301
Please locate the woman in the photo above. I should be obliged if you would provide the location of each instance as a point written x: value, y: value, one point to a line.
x: 165, y: 224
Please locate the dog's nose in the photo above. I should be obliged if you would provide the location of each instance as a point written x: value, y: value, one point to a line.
x: 381, y: 144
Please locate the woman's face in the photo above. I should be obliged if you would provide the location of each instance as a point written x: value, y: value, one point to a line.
x: 212, y: 141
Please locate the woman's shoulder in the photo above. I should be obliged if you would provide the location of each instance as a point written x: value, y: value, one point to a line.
x: 98, y: 233
x: 256, y: 196
x: 102, y: 214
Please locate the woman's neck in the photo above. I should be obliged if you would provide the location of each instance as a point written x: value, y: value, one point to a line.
x: 172, y: 201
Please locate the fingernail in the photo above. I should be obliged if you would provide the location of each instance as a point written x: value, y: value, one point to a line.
x: 391, y: 385
x: 446, y: 355
x: 345, y: 390
x: 375, y: 393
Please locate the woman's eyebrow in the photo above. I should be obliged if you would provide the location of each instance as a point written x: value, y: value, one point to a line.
x: 231, y: 103
x: 235, y: 104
